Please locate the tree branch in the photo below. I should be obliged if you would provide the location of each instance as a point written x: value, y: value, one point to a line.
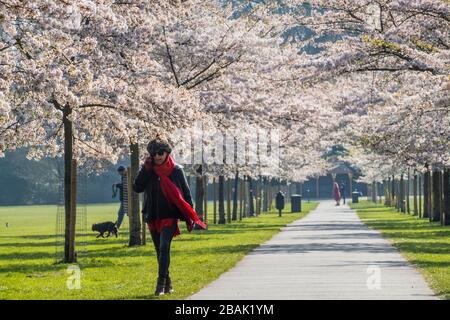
x: 172, y: 66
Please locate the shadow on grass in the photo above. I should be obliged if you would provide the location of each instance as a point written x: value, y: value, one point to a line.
x: 90, y: 237
x: 27, y: 244
x: 149, y: 251
x: 141, y: 297
x: 431, y: 264
x: 427, y: 247
x: 29, y: 270
x: 35, y: 237
x: 37, y: 255
x: 415, y: 233
x: 101, y: 258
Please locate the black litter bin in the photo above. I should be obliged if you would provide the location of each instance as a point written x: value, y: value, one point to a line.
x: 279, y: 202
x: 296, y: 201
x: 355, y: 196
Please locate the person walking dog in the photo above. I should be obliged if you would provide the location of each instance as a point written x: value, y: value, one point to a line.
x: 123, y: 194
x: 167, y: 200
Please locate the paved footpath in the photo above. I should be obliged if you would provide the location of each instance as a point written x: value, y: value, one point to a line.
x: 329, y: 254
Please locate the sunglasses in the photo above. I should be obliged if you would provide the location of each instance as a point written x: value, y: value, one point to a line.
x: 159, y: 153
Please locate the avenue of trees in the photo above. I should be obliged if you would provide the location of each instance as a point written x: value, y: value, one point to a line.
x: 92, y: 81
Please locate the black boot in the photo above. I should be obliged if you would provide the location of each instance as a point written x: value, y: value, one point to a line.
x: 168, y: 286
x: 160, y: 286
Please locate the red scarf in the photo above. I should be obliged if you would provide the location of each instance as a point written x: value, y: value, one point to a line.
x: 173, y: 194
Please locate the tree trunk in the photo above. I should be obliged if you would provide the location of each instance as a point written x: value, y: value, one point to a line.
x: 69, y: 249
x: 235, y: 195
x: 420, y: 195
x: 402, y: 193
x: 73, y: 210
x: 251, y: 207
x: 221, y: 200
x: 215, y: 200
x: 245, y: 211
x: 350, y: 185
x: 436, y: 209
x: 228, y: 200
x: 388, y: 193
x: 205, y: 188
x: 394, y: 199
x: 416, y: 211
x: 134, y: 216
x: 408, y: 207
x: 317, y: 188
x: 265, y: 195
x: 405, y: 194
x: 374, y: 192
x: 288, y: 192
x: 381, y: 192
x: 256, y: 183
x: 441, y: 196
x: 391, y: 193
x: 199, y: 192
x: 430, y: 195
x: 446, y: 191
x: 258, y: 196
x: 269, y: 195
x: 241, y: 198
x: 397, y: 195
x: 426, y: 194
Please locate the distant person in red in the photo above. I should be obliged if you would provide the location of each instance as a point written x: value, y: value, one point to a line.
x: 336, y: 193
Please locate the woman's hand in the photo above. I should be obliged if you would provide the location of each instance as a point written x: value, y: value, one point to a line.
x: 148, y: 163
x: 190, y: 225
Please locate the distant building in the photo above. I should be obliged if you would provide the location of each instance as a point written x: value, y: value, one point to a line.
x: 342, y: 173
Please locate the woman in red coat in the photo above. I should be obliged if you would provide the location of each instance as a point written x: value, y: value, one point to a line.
x: 168, y: 200
x: 336, y: 193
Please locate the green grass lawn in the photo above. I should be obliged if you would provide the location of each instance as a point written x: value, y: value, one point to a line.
x: 424, y: 244
x: 110, y: 269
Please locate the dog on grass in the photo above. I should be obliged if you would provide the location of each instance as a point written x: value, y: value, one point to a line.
x: 105, y: 227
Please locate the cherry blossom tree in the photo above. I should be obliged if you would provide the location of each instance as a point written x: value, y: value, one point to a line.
x: 75, y: 79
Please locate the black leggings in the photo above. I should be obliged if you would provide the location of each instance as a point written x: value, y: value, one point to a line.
x: 162, y: 243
